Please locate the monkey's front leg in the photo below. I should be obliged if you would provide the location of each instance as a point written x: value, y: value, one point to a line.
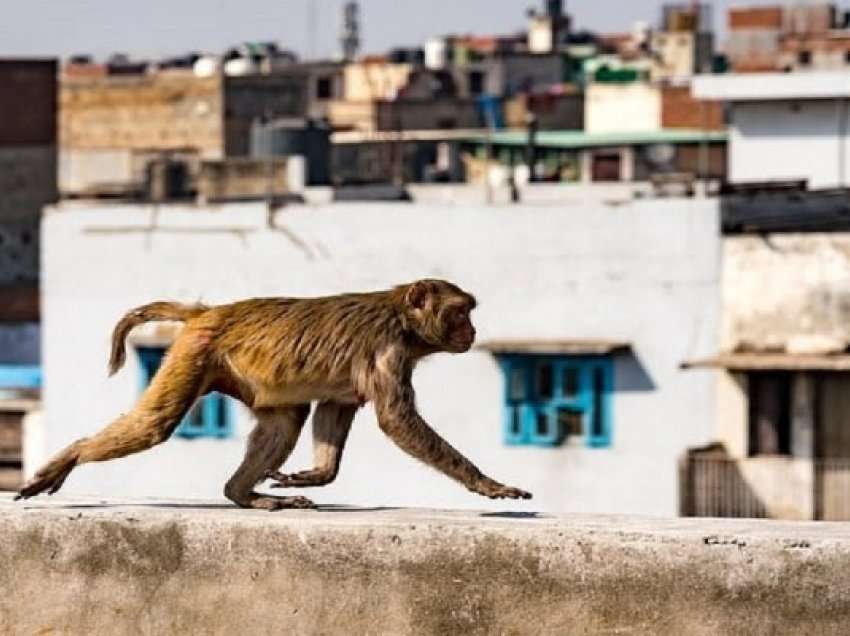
x: 398, y: 418
x: 331, y: 424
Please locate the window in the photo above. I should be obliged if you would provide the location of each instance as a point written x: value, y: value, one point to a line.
x: 324, y: 88
x: 606, y: 166
x: 552, y: 400
x: 211, y: 416
x: 804, y: 58
x: 769, y: 413
x: 476, y: 82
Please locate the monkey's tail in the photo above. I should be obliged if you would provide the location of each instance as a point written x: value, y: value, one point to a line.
x: 143, y: 314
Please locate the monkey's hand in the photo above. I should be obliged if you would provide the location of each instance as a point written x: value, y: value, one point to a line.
x: 494, y: 490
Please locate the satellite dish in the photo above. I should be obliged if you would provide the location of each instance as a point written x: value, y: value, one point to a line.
x: 660, y: 154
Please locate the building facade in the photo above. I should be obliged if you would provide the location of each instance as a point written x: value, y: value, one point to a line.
x: 799, y: 121
x: 783, y: 379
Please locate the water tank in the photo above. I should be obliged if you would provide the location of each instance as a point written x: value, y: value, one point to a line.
x: 307, y: 138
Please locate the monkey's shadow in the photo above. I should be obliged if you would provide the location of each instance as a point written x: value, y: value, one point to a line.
x: 513, y: 515
x: 207, y: 506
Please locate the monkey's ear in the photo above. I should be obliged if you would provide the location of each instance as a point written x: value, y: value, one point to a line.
x: 417, y: 294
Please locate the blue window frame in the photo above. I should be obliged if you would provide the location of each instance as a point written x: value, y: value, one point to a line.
x: 20, y: 376
x: 551, y: 399
x: 211, y: 416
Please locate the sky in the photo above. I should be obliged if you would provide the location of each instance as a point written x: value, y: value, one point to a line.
x: 150, y: 28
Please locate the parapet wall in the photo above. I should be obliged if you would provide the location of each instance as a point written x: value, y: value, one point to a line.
x: 83, y: 567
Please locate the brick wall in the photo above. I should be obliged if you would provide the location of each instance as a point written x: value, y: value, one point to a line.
x: 680, y: 110
x: 163, y: 112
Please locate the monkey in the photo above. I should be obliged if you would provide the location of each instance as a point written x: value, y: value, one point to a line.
x: 278, y: 356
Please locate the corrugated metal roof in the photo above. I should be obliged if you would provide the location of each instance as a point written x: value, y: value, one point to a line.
x: 773, y: 362
x: 581, y: 139
x: 554, y: 347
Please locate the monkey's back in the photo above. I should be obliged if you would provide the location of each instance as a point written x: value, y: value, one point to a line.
x: 272, y: 343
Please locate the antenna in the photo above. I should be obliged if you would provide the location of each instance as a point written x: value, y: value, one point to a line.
x: 349, y: 35
x: 312, y: 22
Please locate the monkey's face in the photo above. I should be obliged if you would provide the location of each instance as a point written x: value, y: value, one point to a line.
x: 441, y: 312
x: 458, y: 332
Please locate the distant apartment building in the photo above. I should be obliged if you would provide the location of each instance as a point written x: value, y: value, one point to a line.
x: 790, y: 37
x: 112, y: 126
x: 682, y: 156
x: 27, y: 163
x: 782, y: 447
x: 644, y: 106
x: 573, y: 393
x: 785, y: 126
x: 27, y: 184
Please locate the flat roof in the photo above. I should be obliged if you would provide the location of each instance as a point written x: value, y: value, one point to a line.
x: 554, y: 347
x: 359, y: 137
x: 744, y: 87
x: 772, y: 362
x: 581, y: 139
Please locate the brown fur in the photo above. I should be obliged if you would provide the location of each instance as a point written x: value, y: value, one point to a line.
x: 279, y: 354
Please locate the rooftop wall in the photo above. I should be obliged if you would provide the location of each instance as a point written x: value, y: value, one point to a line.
x: 80, y: 566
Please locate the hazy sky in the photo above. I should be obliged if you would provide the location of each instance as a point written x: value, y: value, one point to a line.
x: 154, y: 27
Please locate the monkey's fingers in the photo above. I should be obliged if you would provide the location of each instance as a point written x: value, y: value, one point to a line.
x: 49, y: 478
x: 281, y: 503
x: 274, y: 475
x: 495, y: 490
x: 507, y: 492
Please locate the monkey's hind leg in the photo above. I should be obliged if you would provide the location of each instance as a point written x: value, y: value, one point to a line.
x: 331, y: 424
x: 269, y: 444
x: 174, y: 389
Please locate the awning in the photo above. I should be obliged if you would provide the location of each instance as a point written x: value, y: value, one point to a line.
x: 574, y: 347
x: 772, y: 362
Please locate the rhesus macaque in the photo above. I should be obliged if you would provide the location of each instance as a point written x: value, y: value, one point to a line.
x: 277, y: 355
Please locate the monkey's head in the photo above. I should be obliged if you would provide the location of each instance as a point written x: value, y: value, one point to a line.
x: 438, y: 313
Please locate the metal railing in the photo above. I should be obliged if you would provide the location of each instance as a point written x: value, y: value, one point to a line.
x: 714, y: 486
x: 832, y: 489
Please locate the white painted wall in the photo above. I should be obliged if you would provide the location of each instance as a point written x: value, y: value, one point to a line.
x: 633, y: 107
x: 786, y: 290
x: 646, y: 273
x: 805, y: 139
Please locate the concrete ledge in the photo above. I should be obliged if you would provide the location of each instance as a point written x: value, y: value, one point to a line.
x: 70, y: 566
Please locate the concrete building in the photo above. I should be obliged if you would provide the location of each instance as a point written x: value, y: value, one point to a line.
x: 111, y: 127
x: 794, y: 37
x: 27, y: 163
x: 576, y: 156
x: 588, y: 311
x: 784, y: 378
x: 799, y: 121
x: 27, y: 183
x: 646, y: 107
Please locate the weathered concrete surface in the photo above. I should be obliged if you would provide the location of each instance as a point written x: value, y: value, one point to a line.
x: 84, y: 566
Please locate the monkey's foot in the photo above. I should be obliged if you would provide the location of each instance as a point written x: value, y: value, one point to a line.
x: 303, y: 479
x: 495, y: 490
x: 270, y: 503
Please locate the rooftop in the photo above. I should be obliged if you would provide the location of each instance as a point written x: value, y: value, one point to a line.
x: 554, y: 347
x: 773, y: 362
x: 581, y: 139
x: 738, y: 87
